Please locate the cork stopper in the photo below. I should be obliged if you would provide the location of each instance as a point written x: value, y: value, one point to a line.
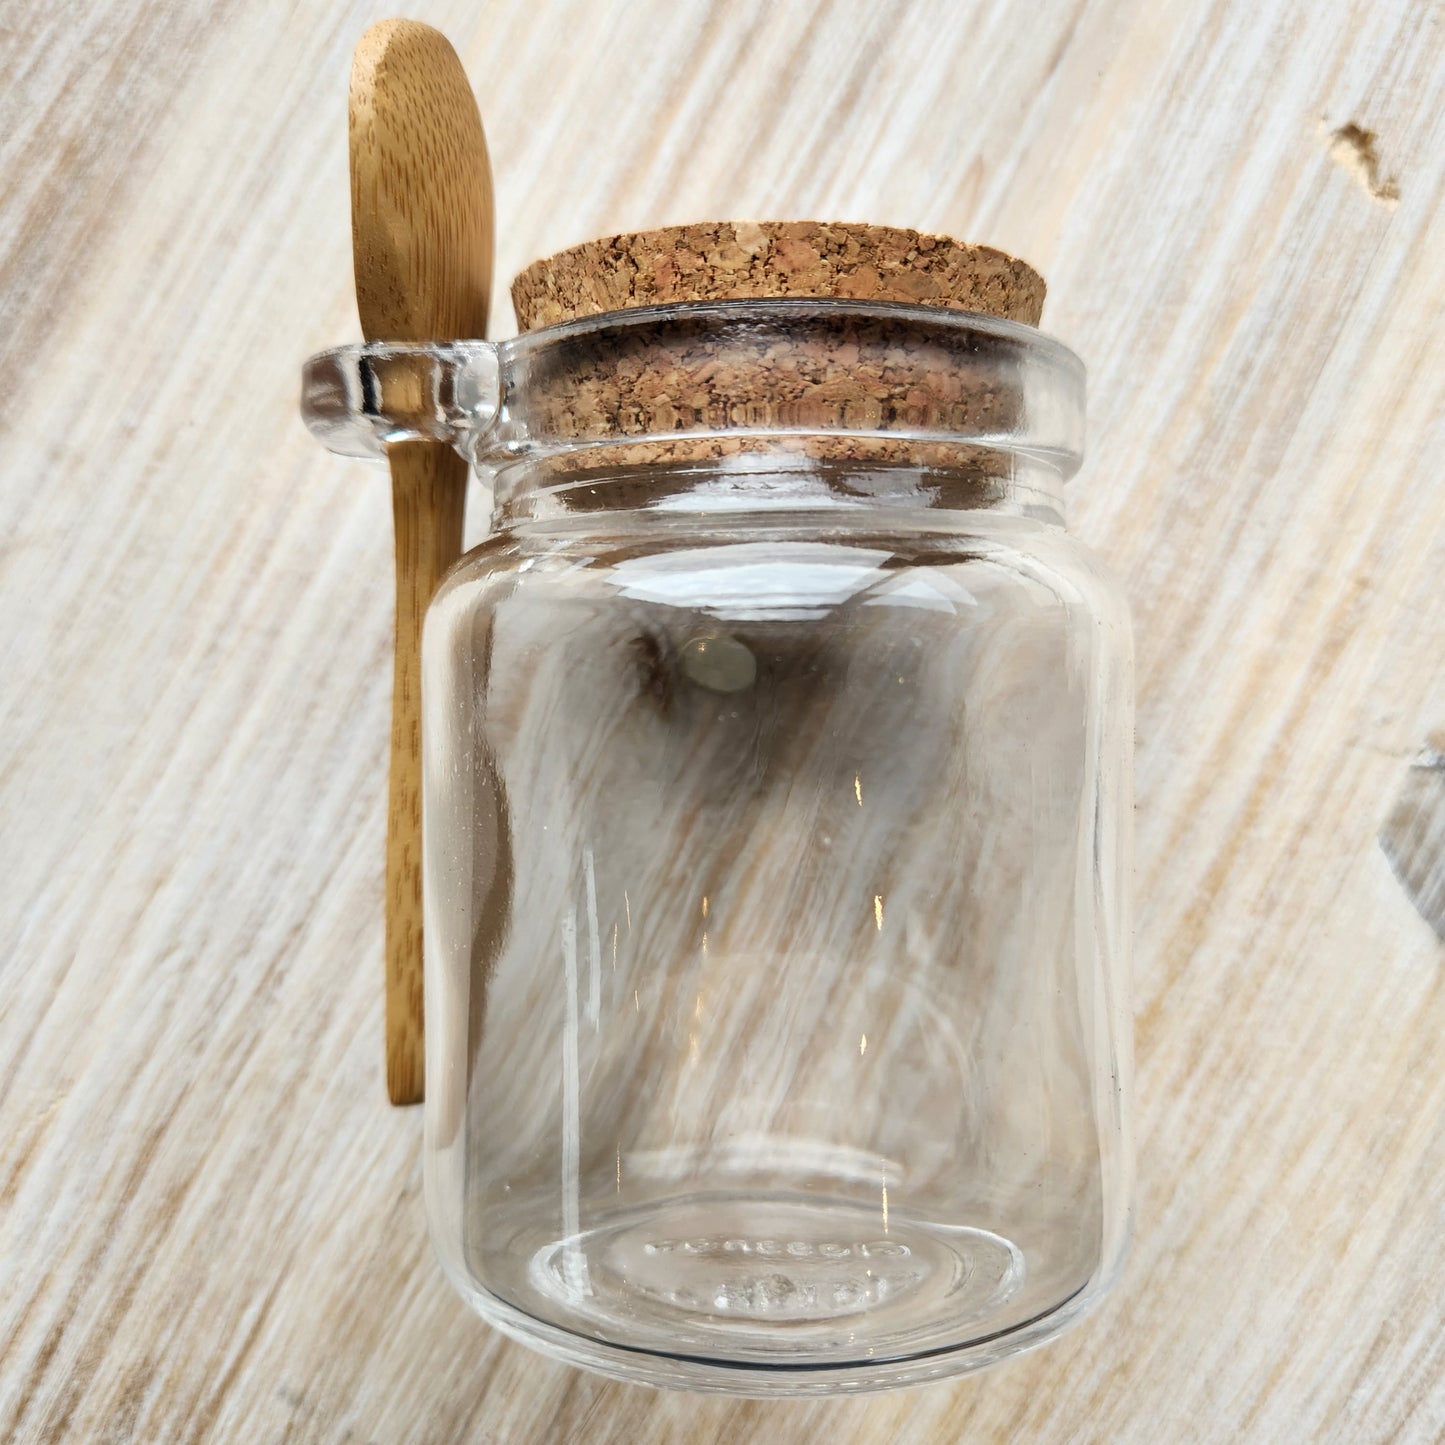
x: 722, y: 260
x: 838, y: 388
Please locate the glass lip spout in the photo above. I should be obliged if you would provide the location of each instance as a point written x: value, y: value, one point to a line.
x: 358, y: 400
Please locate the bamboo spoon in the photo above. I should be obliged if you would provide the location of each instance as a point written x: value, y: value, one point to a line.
x: 421, y: 228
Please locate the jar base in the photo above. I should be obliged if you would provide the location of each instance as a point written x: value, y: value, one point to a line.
x: 746, y: 1277
x: 787, y: 1293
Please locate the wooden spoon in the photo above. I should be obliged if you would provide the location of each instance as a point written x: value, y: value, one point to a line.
x: 421, y: 229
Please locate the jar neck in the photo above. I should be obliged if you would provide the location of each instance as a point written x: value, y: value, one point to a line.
x: 732, y: 406
x: 777, y: 483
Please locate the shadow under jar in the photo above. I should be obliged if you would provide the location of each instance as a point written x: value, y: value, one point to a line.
x: 777, y: 801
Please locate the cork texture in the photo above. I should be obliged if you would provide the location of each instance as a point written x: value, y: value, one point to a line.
x: 721, y: 260
x: 832, y: 387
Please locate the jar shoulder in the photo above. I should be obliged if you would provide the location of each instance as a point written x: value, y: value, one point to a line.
x: 990, y: 559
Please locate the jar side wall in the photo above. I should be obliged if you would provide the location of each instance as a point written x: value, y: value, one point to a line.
x: 848, y: 816
x: 1105, y: 879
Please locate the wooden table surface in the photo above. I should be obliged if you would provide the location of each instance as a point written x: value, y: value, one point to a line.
x: 210, y: 1220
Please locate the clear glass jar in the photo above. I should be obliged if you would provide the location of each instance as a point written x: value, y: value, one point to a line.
x: 777, y: 803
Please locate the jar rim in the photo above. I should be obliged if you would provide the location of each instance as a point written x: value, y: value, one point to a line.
x: 699, y: 379
x: 946, y: 318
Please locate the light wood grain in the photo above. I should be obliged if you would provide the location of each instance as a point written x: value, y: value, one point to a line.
x: 421, y: 241
x: 210, y: 1221
x: 428, y: 509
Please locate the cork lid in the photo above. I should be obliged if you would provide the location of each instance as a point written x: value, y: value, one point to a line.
x: 853, y: 391
x: 721, y: 260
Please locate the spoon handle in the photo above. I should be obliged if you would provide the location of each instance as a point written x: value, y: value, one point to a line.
x: 429, y: 489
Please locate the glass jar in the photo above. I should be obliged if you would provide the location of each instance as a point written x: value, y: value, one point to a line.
x: 777, y: 804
